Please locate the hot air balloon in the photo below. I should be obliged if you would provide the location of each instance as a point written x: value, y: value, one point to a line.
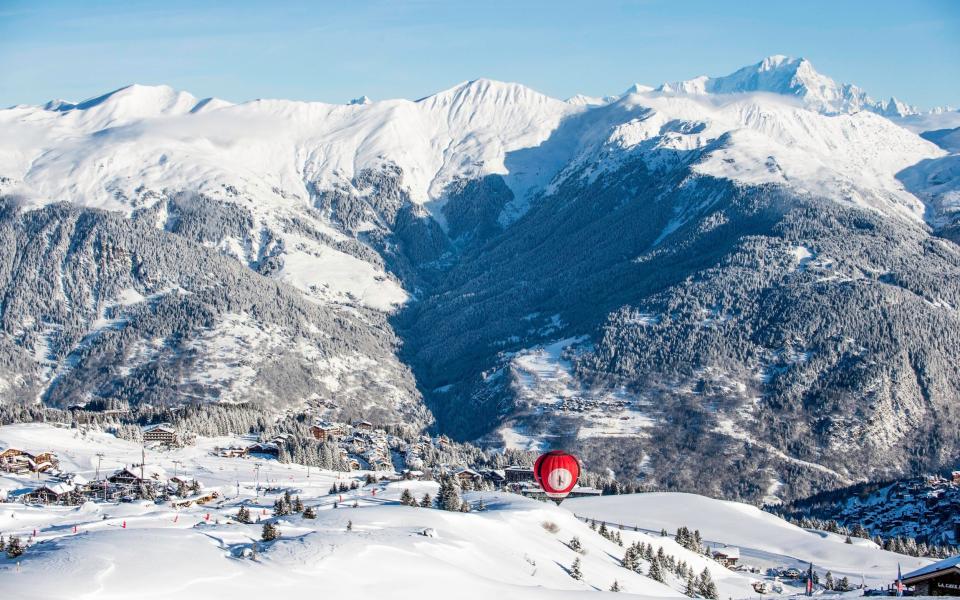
x: 557, y: 472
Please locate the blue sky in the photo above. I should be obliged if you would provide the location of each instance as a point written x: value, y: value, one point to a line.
x: 334, y: 51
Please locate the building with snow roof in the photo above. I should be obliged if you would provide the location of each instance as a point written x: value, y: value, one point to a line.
x: 727, y: 556
x: 939, y: 579
x: 164, y: 433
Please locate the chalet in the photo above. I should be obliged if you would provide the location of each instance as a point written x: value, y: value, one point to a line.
x: 378, y: 463
x: 17, y: 461
x: 327, y: 432
x: 57, y: 493
x: 352, y: 463
x: 515, y: 474
x: 163, y: 434
x: 44, y: 461
x: 231, y: 452
x: 124, y: 476
x: 465, y: 475
x: 495, y: 476
x: 265, y: 449
x: 955, y: 477
x: 363, y: 425
x: 939, y: 579
x: 727, y: 556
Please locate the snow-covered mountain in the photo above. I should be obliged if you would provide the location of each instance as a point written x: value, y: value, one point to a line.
x: 587, y: 268
x: 794, y: 77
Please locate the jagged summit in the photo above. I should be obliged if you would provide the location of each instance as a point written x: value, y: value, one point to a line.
x: 779, y: 74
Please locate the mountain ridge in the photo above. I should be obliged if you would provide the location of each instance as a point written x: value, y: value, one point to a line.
x: 529, y: 269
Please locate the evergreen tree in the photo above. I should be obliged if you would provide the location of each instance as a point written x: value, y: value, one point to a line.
x: 706, y: 587
x: 448, y: 496
x: 575, y: 544
x: 297, y: 505
x: 692, y: 588
x: 630, y: 561
x: 575, y: 569
x: 656, y: 571
x: 334, y: 489
x: 270, y: 532
x: 349, y: 525
x: 243, y: 515
x: 195, y: 487
x: 15, y: 547
x: 843, y: 585
x: 828, y: 581
x: 309, y: 513
x: 407, y: 499
x: 280, y: 508
x: 615, y: 587
x: 426, y: 501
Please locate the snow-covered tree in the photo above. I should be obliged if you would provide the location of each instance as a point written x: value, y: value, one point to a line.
x: 270, y: 532
x: 575, y: 544
x: 243, y: 515
x: 706, y: 587
x: 615, y: 587
x: 656, y: 571
x: 15, y: 547
x: 407, y: 499
x: 309, y: 513
x: 426, y: 501
x: 448, y: 496
x: 692, y: 589
x: 575, y: 569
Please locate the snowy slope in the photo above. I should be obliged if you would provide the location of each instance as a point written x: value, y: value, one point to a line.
x: 764, y: 539
x: 148, y: 550
x: 757, y: 139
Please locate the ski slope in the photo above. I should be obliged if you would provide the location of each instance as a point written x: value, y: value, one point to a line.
x: 147, y: 550
x: 514, y: 548
x: 764, y: 539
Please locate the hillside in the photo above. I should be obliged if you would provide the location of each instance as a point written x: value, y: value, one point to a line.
x: 727, y: 275
x: 763, y: 539
x: 507, y: 545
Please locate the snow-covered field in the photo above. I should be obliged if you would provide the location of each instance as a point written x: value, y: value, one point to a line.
x: 764, y: 540
x: 514, y: 548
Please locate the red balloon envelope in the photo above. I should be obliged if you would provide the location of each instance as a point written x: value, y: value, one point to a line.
x: 557, y: 472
